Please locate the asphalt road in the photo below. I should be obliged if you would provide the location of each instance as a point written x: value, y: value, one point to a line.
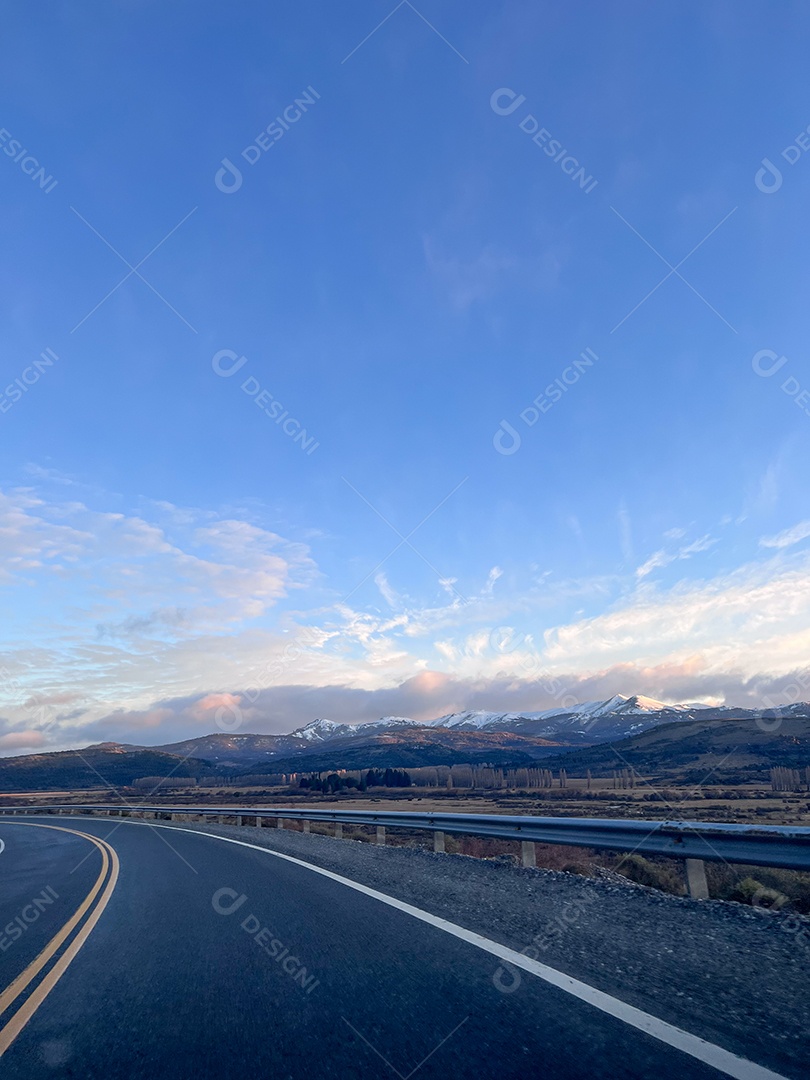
x: 212, y: 959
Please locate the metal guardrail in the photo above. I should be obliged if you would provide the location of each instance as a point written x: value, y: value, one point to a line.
x: 787, y: 847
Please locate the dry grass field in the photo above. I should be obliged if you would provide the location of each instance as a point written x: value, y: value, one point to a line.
x: 745, y: 804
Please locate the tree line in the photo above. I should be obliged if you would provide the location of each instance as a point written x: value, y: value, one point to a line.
x: 391, y: 778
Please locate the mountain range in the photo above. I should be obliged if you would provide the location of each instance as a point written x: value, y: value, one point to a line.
x: 584, y: 724
x: 583, y: 734
x: 514, y: 735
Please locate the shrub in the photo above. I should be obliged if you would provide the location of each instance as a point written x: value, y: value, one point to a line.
x: 652, y: 874
x: 744, y: 891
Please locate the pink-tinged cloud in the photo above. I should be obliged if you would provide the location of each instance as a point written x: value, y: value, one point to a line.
x: 212, y: 704
x: 431, y: 694
x: 21, y: 740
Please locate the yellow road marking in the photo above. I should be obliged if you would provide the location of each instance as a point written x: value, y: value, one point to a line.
x: 24, y: 978
x: 17, y: 1022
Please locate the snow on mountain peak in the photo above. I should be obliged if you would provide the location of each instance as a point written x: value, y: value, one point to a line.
x: 476, y: 718
x: 616, y: 702
x: 393, y: 721
x: 317, y: 729
x: 582, y: 715
x: 646, y: 704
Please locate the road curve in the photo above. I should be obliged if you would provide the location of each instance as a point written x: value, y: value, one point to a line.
x: 46, y: 947
x: 211, y: 958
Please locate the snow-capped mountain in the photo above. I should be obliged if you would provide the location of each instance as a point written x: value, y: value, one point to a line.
x: 582, y: 715
x: 584, y: 722
x: 323, y: 730
x: 572, y: 726
x: 598, y: 721
x: 477, y: 720
x: 320, y: 730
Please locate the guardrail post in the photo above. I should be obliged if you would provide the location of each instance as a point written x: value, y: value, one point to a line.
x: 438, y: 842
x: 338, y: 830
x: 528, y: 853
x: 696, y: 879
x: 279, y: 822
x: 305, y: 826
x: 258, y: 821
x: 381, y: 834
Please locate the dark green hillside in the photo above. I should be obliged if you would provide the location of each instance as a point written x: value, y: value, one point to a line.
x: 382, y: 757
x: 91, y: 768
x: 732, y: 751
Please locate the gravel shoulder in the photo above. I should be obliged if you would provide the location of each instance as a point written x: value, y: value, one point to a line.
x: 728, y: 973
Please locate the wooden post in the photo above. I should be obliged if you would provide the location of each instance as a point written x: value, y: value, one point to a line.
x: 338, y: 830
x: 381, y: 834
x: 305, y: 826
x: 279, y: 823
x: 258, y: 822
x: 696, y: 879
x: 438, y: 842
x: 528, y: 853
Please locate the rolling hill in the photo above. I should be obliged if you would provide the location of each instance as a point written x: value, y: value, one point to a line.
x: 710, y: 750
x: 92, y: 768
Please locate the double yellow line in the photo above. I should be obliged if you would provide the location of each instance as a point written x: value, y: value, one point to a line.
x: 99, y: 895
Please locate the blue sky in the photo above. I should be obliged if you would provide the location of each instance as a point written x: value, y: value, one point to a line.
x: 406, y: 271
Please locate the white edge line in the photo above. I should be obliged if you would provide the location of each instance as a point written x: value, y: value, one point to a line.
x: 710, y: 1054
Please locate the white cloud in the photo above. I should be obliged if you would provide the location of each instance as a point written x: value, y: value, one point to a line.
x: 655, y: 562
x: 172, y: 605
x: 788, y: 537
x: 702, y: 544
x: 388, y: 594
x: 447, y: 584
x: 493, y: 576
x: 664, y: 558
x: 752, y: 620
